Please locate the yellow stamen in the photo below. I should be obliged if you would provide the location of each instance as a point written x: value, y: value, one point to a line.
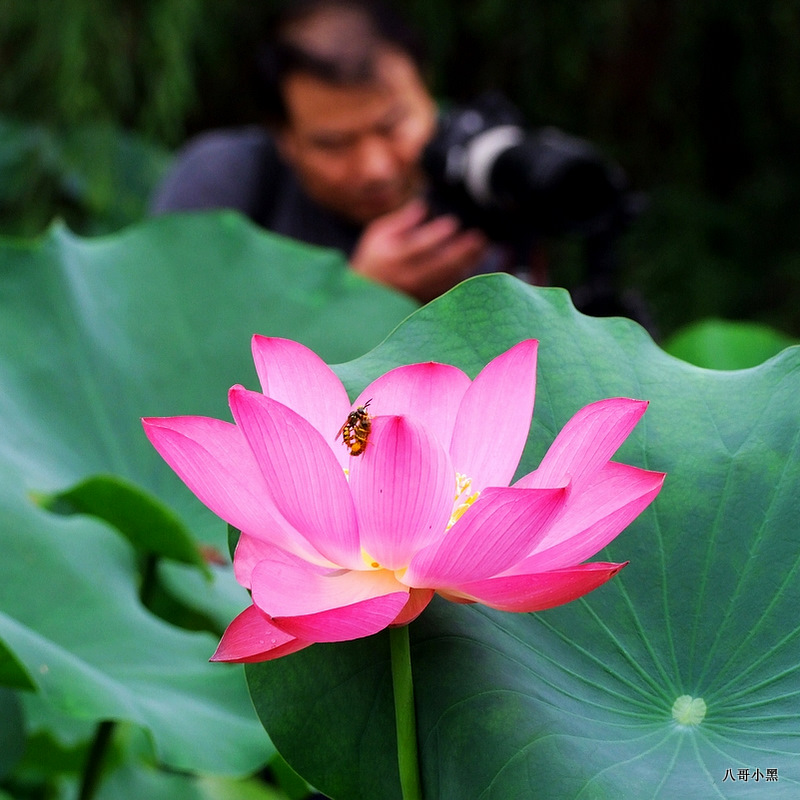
x: 369, y: 560
x: 463, y: 484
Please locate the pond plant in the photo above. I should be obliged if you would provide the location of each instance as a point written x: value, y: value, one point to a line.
x: 401, y: 514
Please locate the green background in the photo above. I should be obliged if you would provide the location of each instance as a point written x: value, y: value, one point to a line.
x: 700, y: 102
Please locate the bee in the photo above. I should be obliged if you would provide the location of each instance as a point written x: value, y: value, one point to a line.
x: 356, y: 428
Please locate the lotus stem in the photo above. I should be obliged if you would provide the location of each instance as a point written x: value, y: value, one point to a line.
x: 95, y: 760
x: 405, y: 717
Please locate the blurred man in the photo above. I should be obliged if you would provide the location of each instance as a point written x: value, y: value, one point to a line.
x: 340, y: 165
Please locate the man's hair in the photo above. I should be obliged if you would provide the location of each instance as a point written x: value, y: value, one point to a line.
x: 336, y: 41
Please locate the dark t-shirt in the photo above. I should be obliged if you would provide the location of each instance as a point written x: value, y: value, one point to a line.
x: 243, y: 170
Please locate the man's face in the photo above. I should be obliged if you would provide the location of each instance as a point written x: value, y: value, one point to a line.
x: 357, y: 149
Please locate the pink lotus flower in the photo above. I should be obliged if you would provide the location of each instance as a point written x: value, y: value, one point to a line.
x: 336, y: 547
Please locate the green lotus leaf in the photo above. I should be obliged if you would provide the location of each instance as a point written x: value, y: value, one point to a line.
x: 12, y: 673
x: 130, y: 783
x: 96, y: 334
x: 134, y: 775
x: 684, y: 666
x: 150, y: 526
x: 723, y: 344
x: 71, y: 615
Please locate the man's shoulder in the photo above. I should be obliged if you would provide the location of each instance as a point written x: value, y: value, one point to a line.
x: 222, y: 168
x: 229, y: 144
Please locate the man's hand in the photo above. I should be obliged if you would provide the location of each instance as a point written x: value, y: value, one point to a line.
x: 422, y: 258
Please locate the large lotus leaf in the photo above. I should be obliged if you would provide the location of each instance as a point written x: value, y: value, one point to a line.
x: 130, y: 772
x: 135, y: 784
x: 151, y: 526
x: 722, y: 344
x: 577, y: 701
x: 137, y: 777
x: 154, y: 321
x: 69, y: 611
x: 96, y: 334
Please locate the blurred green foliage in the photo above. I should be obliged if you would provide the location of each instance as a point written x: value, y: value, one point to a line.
x: 700, y: 102
x: 719, y: 344
x: 95, y: 177
x: 74, y: 61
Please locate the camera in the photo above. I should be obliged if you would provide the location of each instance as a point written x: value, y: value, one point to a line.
x: 500, y: 178
x: 519, y: 186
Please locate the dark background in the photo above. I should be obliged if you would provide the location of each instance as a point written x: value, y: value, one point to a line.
x: 700, y: 102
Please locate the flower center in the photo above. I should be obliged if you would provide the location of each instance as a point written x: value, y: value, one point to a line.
x: 688, y: 710
x: 462, y: 500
